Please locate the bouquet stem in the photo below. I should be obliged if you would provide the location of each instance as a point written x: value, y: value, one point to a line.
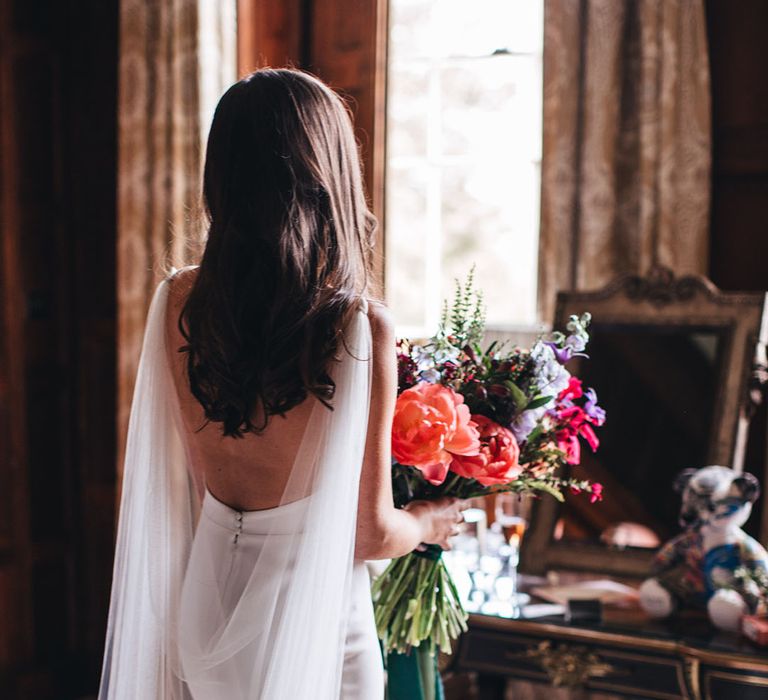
x: 416, y: 603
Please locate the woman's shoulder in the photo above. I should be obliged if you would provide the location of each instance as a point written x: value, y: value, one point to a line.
x: 380, y: 316
x: 180, y: 277
x: 180, y: 282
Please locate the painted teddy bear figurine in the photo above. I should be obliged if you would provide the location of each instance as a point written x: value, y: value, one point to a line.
x: 696, y: 568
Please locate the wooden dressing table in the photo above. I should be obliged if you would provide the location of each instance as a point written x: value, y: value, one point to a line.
x: 625, y: 655
x: 648, y: 334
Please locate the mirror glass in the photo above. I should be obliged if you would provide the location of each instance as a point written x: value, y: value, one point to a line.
x: 659, y: 388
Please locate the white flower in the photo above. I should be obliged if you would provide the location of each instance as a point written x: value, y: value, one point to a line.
x: 524, y: 424
x: 551, y: 376
x: 430, y: 375
x: 447, y: 354
x: 577, y: 342
x: 422, y: 358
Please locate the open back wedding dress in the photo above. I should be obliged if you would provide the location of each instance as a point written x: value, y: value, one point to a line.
x: 211, y: 603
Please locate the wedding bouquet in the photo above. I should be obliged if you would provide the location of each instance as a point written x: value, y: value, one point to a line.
x: 471, y: 423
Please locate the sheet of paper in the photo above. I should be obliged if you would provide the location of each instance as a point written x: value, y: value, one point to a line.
x: 541, y: 610
x: 605, y: 590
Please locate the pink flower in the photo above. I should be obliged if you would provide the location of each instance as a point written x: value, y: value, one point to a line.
x: 587, y: 432
x: 569, y: 444
x: 597, y: 492
x: 574, y: 422
x: 572, y: 391
x: 430, y: 427
x: 497, y: 461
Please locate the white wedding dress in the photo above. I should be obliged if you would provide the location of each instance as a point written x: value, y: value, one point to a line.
x: 211, y: 603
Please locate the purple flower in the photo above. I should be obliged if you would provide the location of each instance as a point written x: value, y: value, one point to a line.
x: 562, y: 355
x: 595, y: 412
x: 572, y: 347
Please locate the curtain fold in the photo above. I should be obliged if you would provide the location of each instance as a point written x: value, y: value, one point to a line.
x: 176, y: 58
x: 627, y: 145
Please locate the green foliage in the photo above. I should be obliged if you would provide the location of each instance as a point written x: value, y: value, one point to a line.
x: 538, y: 402
x: 517, y: 394
x: 463, y: 324
x: 546, y: 487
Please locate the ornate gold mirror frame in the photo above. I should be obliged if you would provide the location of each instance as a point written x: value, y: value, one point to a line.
x: 661, y: 300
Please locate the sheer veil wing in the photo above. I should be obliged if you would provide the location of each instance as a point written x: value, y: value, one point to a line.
x: 282, y: 635
x: 157, y: 510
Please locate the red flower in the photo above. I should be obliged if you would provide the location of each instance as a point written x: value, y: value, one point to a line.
x: 497, y: 461
x: 432, y: 425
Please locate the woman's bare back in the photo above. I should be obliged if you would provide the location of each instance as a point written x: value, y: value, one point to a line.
x: 247, y: 473
x: 250, y: 473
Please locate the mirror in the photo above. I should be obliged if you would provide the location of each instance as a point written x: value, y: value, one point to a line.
x: 659, y: 388
x: 670, y: 360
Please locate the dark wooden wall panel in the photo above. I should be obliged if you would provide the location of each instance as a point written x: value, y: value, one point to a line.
x: 270, y: 34
x: 57, y: 342
x: 348, y: 44
x: 738, y: 55
x: 90, y: 150
x: 738, y: 48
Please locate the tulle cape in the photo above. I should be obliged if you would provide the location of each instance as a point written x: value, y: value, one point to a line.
x: 284, y: 637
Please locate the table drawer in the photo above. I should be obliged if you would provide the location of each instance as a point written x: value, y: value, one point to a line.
x: 642, y: 674
x: 638, y: 674
x: 733, y: 684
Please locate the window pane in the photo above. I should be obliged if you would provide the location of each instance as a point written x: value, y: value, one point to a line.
x: 463, y: 154
x: 492, y: 106
x: 408, y: 236
x: 441, y: 28
x: 407, y: 117
x: 482, y: 225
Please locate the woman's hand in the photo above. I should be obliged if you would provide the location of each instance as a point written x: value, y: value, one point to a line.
x: 441, y: 517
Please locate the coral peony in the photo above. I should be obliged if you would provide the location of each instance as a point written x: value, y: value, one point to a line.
x: 497, y: 460
x: 431, y: 426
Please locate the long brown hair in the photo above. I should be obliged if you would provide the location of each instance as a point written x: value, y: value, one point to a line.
x: 288, y: 252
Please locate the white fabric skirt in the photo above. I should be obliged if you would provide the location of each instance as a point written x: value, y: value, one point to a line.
x: 228, y: 542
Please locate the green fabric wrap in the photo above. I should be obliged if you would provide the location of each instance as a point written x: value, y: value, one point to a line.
x: 413, y: 676
x: 433, y: 552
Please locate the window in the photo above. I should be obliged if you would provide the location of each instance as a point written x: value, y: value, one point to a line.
x: 463, y: 157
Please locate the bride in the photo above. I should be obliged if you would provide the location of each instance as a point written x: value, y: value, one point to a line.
x: 257, y: 471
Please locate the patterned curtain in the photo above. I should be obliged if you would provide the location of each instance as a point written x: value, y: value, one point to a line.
x: 176, y: 58
x: 627, y: 146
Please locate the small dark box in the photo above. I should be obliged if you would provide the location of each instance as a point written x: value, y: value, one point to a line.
x: 579, y: 610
